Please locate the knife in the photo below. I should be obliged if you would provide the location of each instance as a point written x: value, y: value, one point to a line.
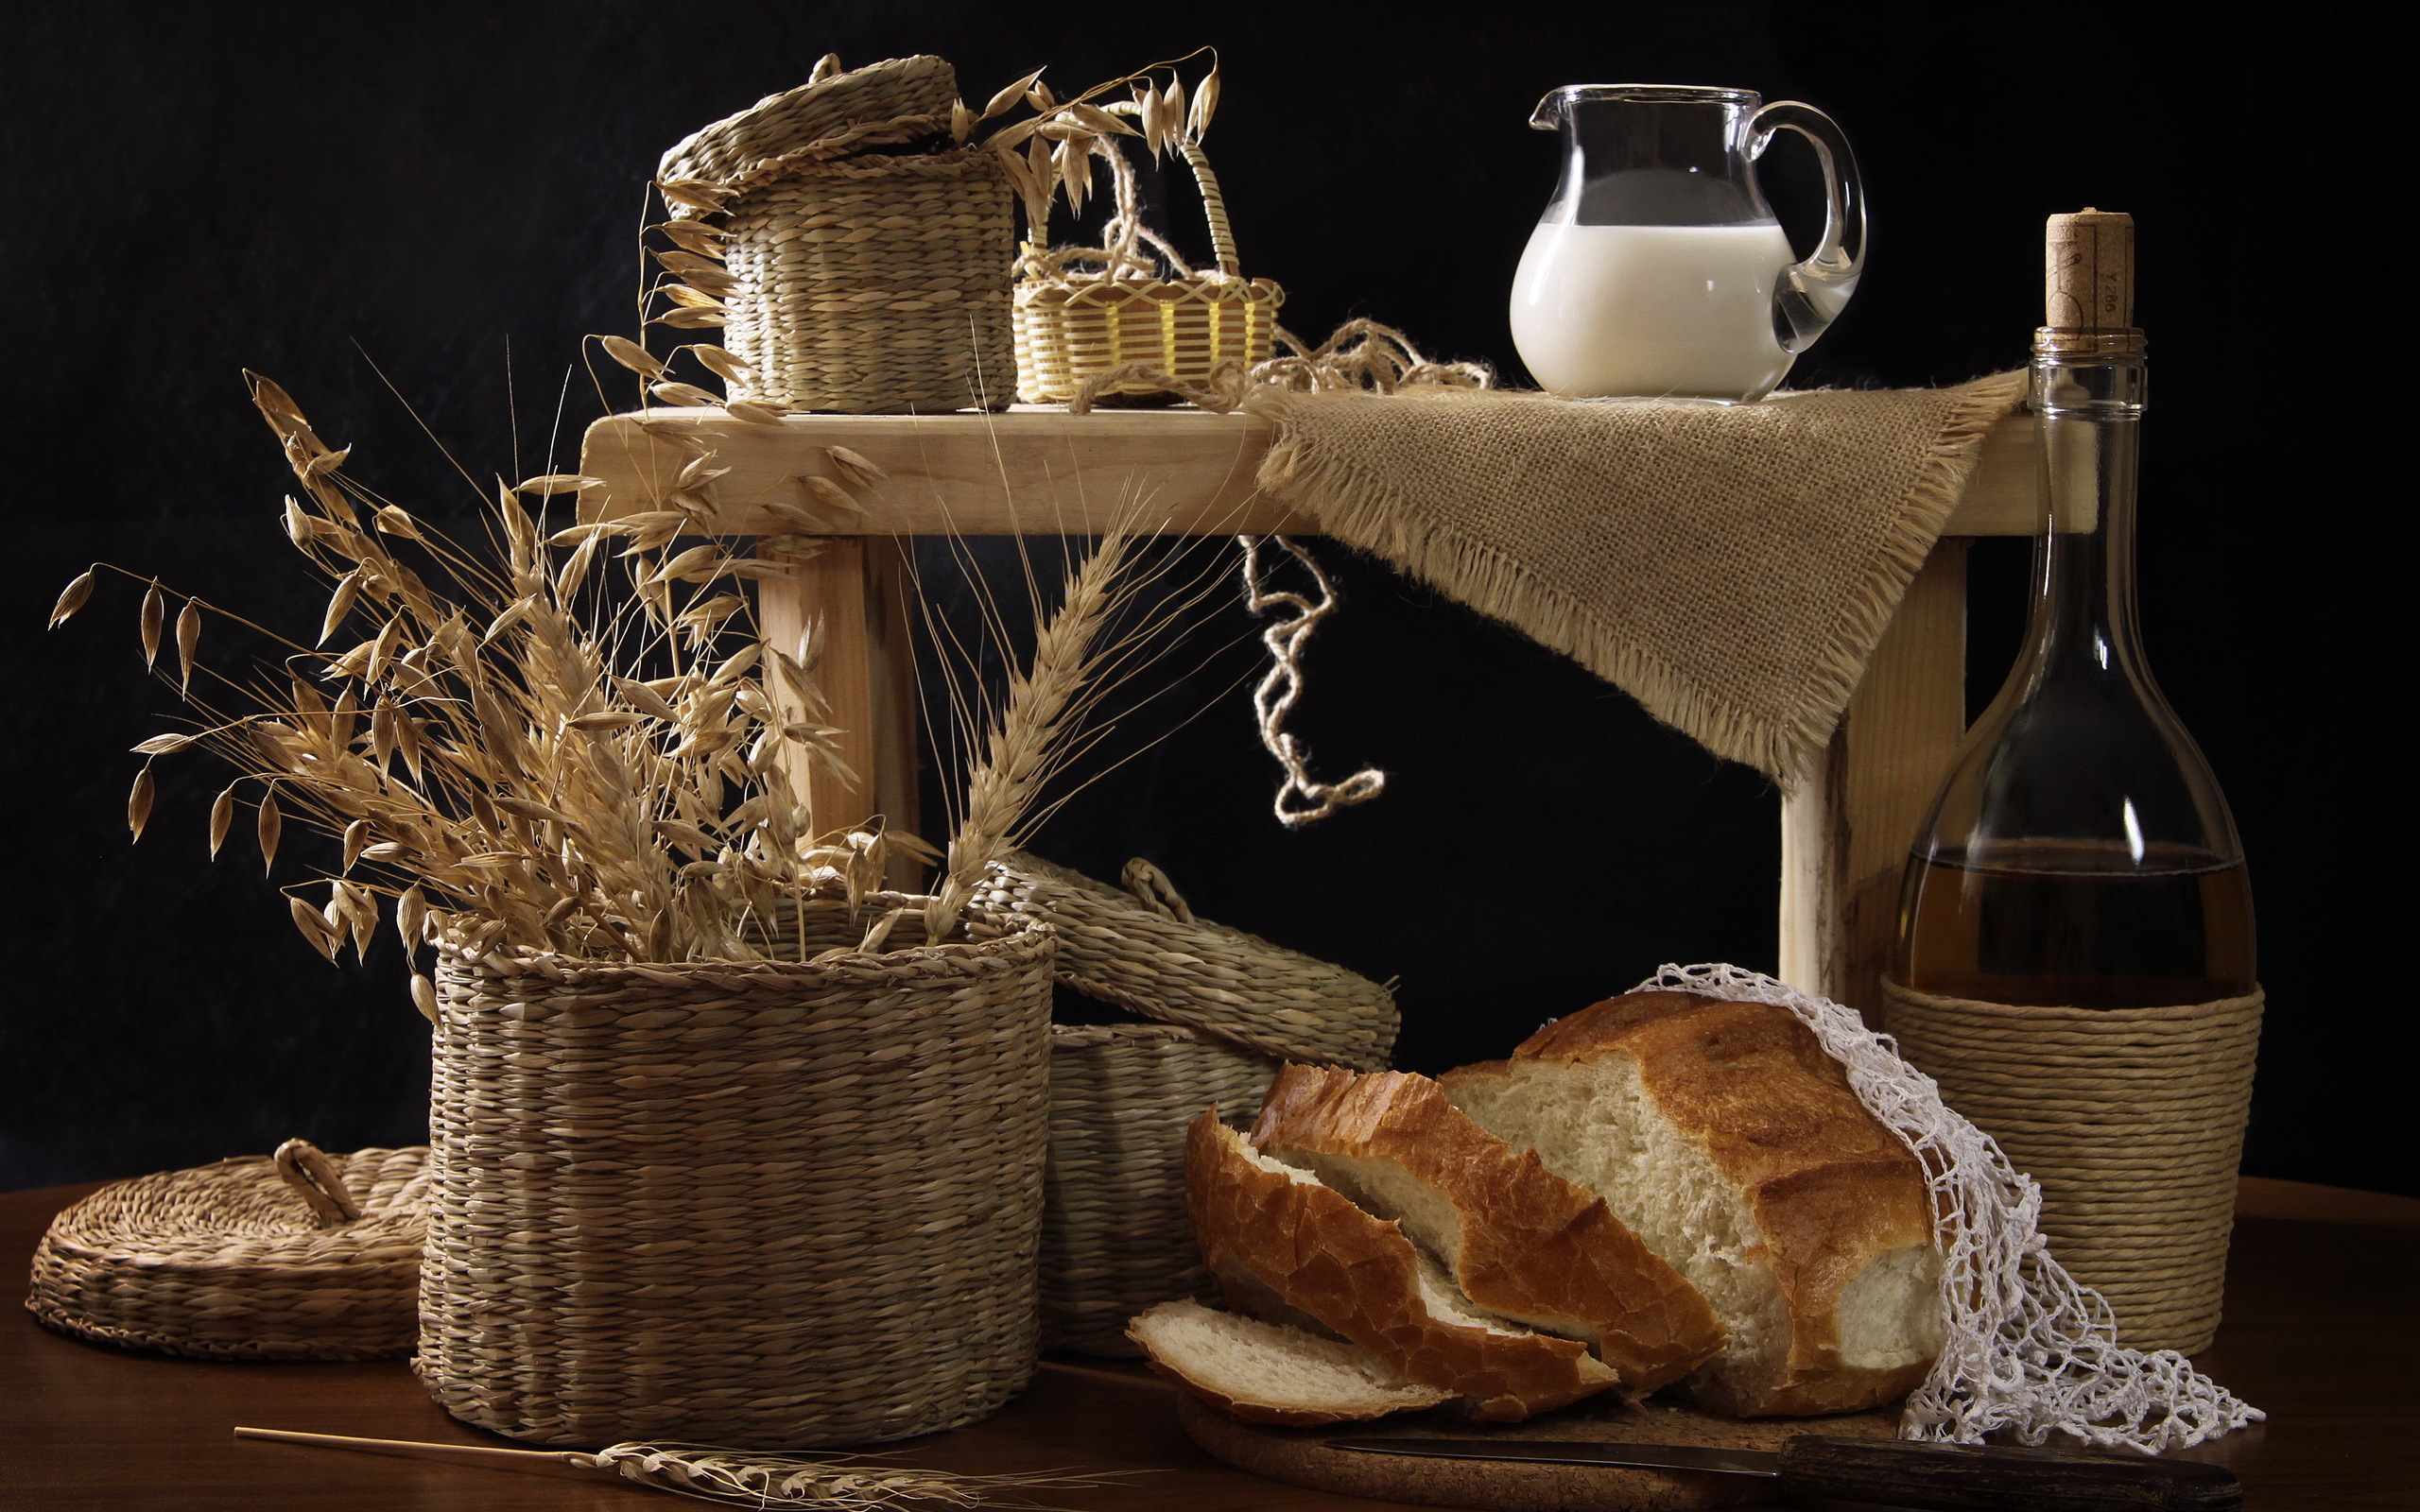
x: 1957, y: 1477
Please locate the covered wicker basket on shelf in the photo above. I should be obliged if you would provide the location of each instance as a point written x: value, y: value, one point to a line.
x: 864, y: 256
x: 767, y: 1203
x: 297, y: 1256
x: 1222, y: 1010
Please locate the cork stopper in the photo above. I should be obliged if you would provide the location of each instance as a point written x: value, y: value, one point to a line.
x: 2089, y: 273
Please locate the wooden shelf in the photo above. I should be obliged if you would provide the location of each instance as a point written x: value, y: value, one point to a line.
x: 1037, y: 470
x: 1041, y: 470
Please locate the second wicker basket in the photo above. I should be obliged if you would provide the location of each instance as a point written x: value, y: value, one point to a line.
x: 1230, y: 1007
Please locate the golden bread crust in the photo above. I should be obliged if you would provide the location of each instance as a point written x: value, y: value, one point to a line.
x: 1532, y: 1245
x: 1830, y: 1187
x: 1359, y: 1276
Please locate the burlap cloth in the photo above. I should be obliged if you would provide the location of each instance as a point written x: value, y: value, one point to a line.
x: 1730, y: 567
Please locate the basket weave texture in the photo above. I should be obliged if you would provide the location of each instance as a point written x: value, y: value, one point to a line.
x: 740, y: 150
x: 1116, y: 1238
x: 1185, y: 328
x: 870, y: 261
x: 229, y: 1262
x: 2133, y: 1120
x: 761, y: 1204
x: 1082, y: 314
x: 1155, y: 958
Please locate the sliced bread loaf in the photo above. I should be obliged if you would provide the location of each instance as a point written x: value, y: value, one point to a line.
x: 1268, y: 1228
x: 1722, y: 1136
x: 1518, y: 1240
x: 1268, y: 1373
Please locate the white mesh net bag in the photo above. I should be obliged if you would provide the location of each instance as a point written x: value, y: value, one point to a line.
x: 2026, y: 1347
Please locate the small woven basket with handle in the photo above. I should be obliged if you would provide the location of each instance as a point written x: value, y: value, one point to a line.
x: 1229, y: 1009
x: 769, y: 1203
x: 295, y: 1256
x: 1080, y: 314
x: 866, y: 259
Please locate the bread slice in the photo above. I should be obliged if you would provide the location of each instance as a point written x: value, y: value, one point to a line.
x: 1268, y: 1373
x: 1519, y: 1240
x: 1723, y: 1135
x: 1266, y: 1227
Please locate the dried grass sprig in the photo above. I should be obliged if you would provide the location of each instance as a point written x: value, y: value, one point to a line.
x: 531, y: 759
x: 839, y: 1483
x: 826, y: 1481
x: 1026, y: 743
x: 1047, y: 156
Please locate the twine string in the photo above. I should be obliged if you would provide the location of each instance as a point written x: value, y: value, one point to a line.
x: 1300, y: 800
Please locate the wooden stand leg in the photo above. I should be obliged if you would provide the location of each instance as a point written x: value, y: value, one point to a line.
x: 891, y: 691
x: 854, y: 589
x: 1844, y: 837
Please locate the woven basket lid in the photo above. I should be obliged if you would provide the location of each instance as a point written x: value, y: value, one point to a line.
x: 734, y: 148
x: 297, y: 1256
x: 1143, y: 949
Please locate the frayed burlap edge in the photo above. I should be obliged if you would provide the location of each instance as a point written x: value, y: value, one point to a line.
x: 1365, y: 511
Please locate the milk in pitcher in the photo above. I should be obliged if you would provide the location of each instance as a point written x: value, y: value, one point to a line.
x: 1658, y: 269
x: 1652, y: 311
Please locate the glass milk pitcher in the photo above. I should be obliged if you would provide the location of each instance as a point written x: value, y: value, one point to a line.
x: 1658, y: 270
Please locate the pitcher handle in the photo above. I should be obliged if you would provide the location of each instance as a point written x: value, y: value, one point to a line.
x: 1812, y: 294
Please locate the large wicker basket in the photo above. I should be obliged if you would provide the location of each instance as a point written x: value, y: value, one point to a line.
x: 1081, y: 315
x: 758, y: 1204
x: 298, y: 1256
x: 867, y: 259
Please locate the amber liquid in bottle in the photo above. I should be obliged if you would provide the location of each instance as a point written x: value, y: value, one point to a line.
x: 2081, y: 854
x: 2045, y: 925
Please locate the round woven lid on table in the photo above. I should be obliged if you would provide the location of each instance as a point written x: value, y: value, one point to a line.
x: 295, y: 1256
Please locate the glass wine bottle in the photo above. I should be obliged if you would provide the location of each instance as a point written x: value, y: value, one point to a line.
x: 2081, y: 854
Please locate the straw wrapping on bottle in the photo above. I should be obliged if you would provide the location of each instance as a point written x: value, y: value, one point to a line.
x: 2132, y: 1120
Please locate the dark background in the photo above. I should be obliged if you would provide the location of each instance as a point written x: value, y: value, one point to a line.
x: 452, y: 192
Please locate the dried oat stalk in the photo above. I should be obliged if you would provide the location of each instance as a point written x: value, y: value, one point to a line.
x: 537, y: 745
x: 1057, y: 161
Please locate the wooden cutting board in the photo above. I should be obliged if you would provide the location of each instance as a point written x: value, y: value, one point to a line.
x: 1300, y: 1456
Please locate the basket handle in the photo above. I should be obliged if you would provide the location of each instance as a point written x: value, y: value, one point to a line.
x: 1214, y: 205
x: 1151, y: 888
x: 316, y: 1180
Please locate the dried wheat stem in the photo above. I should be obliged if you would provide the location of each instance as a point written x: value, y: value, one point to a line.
x: 1026, y: 743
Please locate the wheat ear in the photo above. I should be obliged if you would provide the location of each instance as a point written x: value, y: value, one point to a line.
x: 1027, y: 742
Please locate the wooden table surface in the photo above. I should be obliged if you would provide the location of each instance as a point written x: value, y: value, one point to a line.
x: 2323, y: 1329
